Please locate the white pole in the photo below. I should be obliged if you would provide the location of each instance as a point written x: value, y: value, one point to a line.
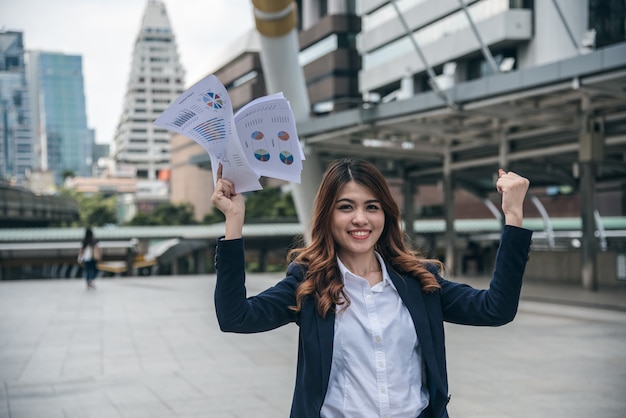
x: 276, y: 21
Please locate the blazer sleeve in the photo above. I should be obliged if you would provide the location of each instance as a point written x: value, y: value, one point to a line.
x: 462, y: 304
x: 238, y: 313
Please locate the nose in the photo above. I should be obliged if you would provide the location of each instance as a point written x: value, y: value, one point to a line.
x: 359, y: 217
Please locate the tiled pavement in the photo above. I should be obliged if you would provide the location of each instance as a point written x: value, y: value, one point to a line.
x: 151, y: 347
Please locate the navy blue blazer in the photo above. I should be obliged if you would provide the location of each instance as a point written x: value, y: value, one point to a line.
x: 454, y: 302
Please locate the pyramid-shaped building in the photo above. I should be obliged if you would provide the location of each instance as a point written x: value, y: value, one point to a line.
x: 156, y: 78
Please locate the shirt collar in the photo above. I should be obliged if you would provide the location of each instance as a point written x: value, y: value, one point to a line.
x: 345, y: 273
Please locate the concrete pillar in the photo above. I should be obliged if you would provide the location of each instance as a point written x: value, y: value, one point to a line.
x: 263, y: 260
x: 409, y: 207
x: 499, y: 136
x: 341, y: 7
x: 591, y: 148
x: 276, y: 21
x: 503, y: 156
x: 200, y: 257
x: 588, y: 245
x: 304, y: 193
x: 448, y: 201
x: 310, y: 13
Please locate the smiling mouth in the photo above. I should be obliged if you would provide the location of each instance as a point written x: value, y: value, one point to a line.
x: 360, y: 234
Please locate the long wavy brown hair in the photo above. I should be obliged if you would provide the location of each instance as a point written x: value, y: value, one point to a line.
x: 323, y: 277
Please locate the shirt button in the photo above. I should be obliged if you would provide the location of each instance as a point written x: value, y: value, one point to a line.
x: 382, y: 390
x: 377, y: 339
x: 368, y: 296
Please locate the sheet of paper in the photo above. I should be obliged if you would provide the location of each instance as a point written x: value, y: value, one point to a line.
x: 267, y: 131
x: 260, y: 140
x: 204, y: 113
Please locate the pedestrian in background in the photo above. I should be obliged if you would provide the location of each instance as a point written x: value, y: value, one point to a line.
x: 88, y: 256
x: 370, y: 311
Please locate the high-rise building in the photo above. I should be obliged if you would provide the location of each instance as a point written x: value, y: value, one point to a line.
x: 16, y: 147
x: 156, y: 78
x: 59, y: 117
x: 462, y: 41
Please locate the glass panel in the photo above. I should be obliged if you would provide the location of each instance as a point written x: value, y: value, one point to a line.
x: 608, y: 18
x: 317, y: 50
x: 440, y: 29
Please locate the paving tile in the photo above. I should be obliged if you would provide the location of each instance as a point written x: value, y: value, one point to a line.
x: 151, y: 347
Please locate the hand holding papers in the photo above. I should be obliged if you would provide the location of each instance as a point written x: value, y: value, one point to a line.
x: 260, y: 140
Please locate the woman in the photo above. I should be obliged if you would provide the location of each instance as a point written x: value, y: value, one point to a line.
x: 370, y: 311
x: 88, y: 256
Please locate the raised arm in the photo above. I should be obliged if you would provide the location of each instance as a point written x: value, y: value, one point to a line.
x: 231, y: 204
x: 463, y: 304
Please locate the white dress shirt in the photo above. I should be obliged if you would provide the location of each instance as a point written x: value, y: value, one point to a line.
x: 376, y: 369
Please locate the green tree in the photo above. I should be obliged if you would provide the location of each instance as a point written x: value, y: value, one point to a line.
x: 213, y: 217
x: 270, y: 204
x: 167, y: 214
x: 141, y: 219
x: 94, y: 209
x: 67, y: 173
x: 267, y: 205
x: 101, y: 214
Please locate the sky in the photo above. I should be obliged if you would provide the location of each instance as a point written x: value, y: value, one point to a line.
x: 104, y: 33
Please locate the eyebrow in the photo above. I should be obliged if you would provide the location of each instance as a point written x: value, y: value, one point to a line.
x: 352, y: 201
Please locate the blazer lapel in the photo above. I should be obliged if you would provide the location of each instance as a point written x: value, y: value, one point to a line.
x: 411, y: 294
x: 326, y: 333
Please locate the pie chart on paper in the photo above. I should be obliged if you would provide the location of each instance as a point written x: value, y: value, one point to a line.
x: 286, y: 157
x: 283, y: 136
x: 262, y: 155
x: 257, y: 135
x: 213, y: 100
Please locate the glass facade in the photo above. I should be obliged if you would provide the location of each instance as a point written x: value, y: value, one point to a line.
x: 62, y: 108
x: 16, y: 146
x: 434, y: 31
x: 608, y: 19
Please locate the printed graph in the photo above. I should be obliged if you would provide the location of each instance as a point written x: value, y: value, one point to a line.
x: 213, y: 100
x: 262, y: 155
x: 283, y: 135
x: 211, y: 130
x: 257, y: 135
x: 286, y: 157
x: 183, y: 117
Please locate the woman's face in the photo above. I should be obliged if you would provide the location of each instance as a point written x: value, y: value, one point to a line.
x: 357, y: 221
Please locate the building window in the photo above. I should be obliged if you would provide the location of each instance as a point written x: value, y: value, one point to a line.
x: 435, y: 31
x: 318, y: 50
x: 243, y: 79
x: 479, y: 67
x: 522, y: 4
x: 608, y: 18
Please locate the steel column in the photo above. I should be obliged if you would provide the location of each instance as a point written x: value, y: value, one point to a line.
x: 448, y: 201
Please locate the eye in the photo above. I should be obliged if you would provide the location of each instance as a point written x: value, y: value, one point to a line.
x: 344, y: 206
x: 373, y: 207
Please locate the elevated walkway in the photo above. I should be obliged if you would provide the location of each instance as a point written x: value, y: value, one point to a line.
x: 25, y: 252
x: 21, y: 207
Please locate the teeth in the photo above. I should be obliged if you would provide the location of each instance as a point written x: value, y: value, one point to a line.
x: 360, y: 233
